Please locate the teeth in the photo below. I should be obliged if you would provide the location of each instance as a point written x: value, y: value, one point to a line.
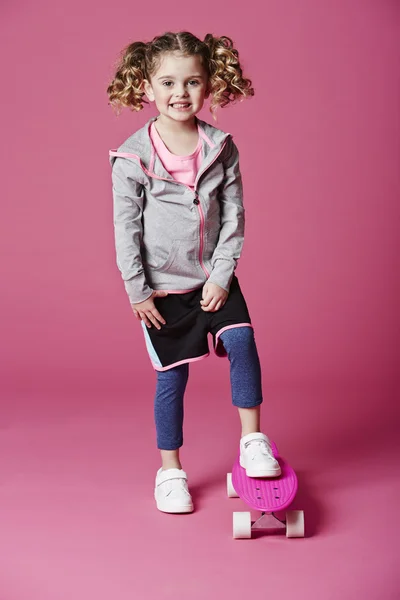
x: 180, y: 105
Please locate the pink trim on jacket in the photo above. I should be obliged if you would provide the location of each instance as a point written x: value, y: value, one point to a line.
x: 205, y: 137
x: 199, y: 205
x: 201, y: 238
x: 180, y: 291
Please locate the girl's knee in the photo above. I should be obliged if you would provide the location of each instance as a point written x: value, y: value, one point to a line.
x: 179, y: 373
x: 237, y: 336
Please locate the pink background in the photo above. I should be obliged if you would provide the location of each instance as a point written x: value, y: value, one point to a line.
x: 319, y: 146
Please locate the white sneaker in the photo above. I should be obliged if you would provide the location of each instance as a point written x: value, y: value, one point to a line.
x: 256, y: 456
x: 171, y: 491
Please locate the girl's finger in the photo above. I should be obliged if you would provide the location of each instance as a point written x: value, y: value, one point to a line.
x: 153, y: 320
x: 157, y: 315
x: 218, y: 305
x: 207, y: 299
x: 211, y: 306
x: 144, y: 318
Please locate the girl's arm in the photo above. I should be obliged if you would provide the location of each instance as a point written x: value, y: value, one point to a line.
x: 128, y: 196
x: 228, y: 250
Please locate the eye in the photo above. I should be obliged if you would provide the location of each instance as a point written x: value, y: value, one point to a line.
x: 192, y: 81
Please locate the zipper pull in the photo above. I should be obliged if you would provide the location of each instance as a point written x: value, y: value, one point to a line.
x: 196, y: 200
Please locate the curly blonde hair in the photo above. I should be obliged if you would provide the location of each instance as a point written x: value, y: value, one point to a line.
x: 140, y: 60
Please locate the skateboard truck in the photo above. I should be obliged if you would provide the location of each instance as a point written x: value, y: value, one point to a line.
x: 268, y: 521
x: 243, y: 525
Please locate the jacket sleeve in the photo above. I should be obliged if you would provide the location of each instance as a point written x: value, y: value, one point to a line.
x: 229, y: 247
x: 128, y: 198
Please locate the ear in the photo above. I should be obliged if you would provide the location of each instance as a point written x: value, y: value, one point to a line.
x: 148, y: 90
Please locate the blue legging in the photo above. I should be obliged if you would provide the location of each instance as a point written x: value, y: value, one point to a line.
x: 245, y: 375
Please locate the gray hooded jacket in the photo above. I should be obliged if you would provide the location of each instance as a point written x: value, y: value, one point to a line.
x: 167, y: 235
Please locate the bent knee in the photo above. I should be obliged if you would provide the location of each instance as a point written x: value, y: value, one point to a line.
x: 243, y: 335
x: 180, y: 372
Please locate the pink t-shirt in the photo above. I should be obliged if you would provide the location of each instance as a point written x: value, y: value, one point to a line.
x: 182, y: 168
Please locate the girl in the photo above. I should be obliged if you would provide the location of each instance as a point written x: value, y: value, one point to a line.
x: 179, y: 225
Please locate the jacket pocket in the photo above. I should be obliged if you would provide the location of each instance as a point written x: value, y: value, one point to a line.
x: 162, y: 260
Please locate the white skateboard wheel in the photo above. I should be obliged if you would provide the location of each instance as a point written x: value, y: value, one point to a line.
x: 241, y: 525
x: 229, y: 487
x: 294, y: 523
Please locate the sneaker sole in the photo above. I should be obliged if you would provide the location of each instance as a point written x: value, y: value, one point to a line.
x: 261, y: 472
x: 174, y: 509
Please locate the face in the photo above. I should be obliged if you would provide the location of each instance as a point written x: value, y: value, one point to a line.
x: 178, y: 80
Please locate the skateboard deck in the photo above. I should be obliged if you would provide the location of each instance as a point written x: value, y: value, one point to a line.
x: 266, y: 494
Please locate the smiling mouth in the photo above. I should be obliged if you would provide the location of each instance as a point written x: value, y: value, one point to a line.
x: 181, y: 104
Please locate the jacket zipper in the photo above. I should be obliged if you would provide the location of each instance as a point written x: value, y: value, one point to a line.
x: 201, y: 212
x: 195, y: 201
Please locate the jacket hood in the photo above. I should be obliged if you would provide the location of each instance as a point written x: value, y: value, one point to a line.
x: 139, y: 144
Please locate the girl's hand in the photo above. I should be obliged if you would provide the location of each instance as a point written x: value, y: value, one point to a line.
x: 147, y: 310
x: 214, y: 297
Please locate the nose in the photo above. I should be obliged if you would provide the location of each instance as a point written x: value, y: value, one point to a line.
x: 180, y: 92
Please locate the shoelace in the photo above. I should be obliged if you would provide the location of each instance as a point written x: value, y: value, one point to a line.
x: 262, y: 446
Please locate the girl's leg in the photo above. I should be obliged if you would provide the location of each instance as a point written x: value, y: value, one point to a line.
x: 245, y: 374
x: 250, y: 419
x: 168, y: 413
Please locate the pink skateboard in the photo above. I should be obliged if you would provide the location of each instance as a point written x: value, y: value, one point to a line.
x: 268, y: 495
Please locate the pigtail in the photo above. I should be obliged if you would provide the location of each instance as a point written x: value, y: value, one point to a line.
x: 139, y: 60
x: 227, y: 83
x: 126, y: 87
